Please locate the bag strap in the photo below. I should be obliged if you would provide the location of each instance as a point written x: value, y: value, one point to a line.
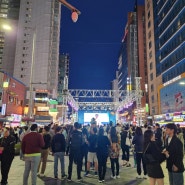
x: 146, y: 148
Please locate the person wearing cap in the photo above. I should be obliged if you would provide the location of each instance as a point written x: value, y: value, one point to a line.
x: 31, y: 147
x: 58, y: 145
x: 174, y: 153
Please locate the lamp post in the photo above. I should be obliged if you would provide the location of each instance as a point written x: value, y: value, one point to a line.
x: 5, y: 25
x: 30, y: 106
x: 75, y: 11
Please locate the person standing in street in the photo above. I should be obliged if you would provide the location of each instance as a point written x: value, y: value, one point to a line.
x: 31, y: 148
x: 24, y: 132
x: 7, y: 148
x: 138, y: 142
x: 103, y: 145
x: 92, y: 157
x: 158, y: 135
x: 58, y: 146
x: 75, y: 151
x: 174, y: 149
x: 44, y: 150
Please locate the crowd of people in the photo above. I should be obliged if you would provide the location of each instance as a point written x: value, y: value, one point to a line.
x: 91, y: 146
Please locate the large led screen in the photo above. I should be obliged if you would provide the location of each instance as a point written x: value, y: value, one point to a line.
x: 101, y: 118
x: 172, y: 97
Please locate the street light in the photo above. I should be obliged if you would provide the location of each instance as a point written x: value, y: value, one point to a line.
x: 75, y: 11
x: 5, y: 25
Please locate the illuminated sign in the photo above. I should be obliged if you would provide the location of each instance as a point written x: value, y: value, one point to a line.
x: 16, y: 117
x: 42, y: 109
x: 41, y: 99
x: 178, y: 119
x: 5, y: 84
x: 172, y: 80
x: 3, y: 109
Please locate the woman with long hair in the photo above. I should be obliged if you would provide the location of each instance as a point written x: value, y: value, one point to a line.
x: 153, y: 157
x: 103, y: 144
x: 114, y: 153
x: 138, y: 145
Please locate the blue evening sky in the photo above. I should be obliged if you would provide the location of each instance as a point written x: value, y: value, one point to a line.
x: 94, y: 41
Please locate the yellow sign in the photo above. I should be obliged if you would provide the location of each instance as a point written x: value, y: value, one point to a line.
x: 5, y: 84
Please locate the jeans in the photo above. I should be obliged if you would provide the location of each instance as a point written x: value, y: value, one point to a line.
x: 44, y: 157
x: 6, y: 161
x: 60, y: 156
x: 102, y: 166
x: 31, y: 163
x: 176, y: 178
x: 75, y: 156
x: 125, y: 153
x: 113, y: 162
x: 139, y: 158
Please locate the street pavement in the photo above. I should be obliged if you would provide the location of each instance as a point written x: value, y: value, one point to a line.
x: 128, y: 175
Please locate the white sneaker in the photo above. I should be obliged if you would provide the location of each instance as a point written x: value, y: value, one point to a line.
x: 145, y: 177
x: 113, y: 177
x: 41, y: 175
x: 139, y: 177
x: 118, y: 176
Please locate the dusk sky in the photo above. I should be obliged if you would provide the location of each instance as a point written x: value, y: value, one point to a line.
x: 94, y: 41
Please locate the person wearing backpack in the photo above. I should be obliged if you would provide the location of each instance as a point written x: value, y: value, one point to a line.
x: 58, y: 145
x: 75, y: 151
x: 44, y: 151
x: 114, y: 153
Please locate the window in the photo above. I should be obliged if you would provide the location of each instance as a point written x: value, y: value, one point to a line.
x: 152, y: 98
x: 152, y: 87
x: 150, y: 44
x: 148, y: 14
x: 151, y: 65
x: 150, y: 54
x: 149, y: 24
x: 151, y: 76
x: 149, y: 34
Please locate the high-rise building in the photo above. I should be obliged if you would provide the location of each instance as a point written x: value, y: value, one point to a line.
x: 166, y: 55
x: 9, y: 15
x: 63, y: 74
x: 37, y: 49
x: 132, y: 59
x: 133, y: 64
x: 123, y: 66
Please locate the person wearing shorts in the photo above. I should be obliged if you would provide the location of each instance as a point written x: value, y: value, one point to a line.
x: 92, y: 157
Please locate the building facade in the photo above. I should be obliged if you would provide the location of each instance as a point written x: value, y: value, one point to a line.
x: 12, y: 95
x: 166, y: 56
x: 132, y: 62
x: 37, y: 48
x: 63, y: 74
x: 9, y: 15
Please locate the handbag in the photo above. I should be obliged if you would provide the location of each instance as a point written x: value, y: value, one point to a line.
x: 128, y: 142
x: 147, y: 157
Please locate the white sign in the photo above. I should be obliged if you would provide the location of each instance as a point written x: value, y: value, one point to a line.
x: 42, y: 109
x: 3, y: 110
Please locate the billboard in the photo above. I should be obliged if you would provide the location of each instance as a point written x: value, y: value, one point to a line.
x: 172, y: 97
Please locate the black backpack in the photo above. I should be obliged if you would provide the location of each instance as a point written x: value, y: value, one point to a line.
x: 76, y: 140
